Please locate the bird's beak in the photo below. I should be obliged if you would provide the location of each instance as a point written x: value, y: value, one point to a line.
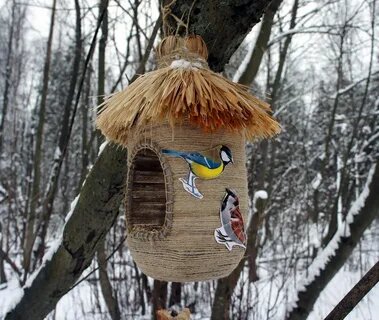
x: 231, y: 160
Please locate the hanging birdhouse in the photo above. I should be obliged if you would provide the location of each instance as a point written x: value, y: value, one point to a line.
x: 185, y: 128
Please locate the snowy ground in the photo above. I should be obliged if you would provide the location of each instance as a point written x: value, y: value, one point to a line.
x: 265, y: 298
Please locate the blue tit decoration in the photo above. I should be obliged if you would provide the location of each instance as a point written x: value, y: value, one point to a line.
x: 201, y: 166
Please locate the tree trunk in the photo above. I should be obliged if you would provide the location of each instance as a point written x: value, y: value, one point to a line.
x: 224, y: 292
x: 35, y: 195
x: 92, y: 217
x: 222, y: 24
x: 105, y: 284
x: 85, y: 146
x: 159, y: 297
x: 8, y: 74
x: 103, y: 5
x: 51, y: 190
x: 176, y: 294
x: 260, y: 46
x: 3, y: 277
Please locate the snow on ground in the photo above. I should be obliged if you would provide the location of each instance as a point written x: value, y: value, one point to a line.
x: 84, y: 301
x: 10, y: 294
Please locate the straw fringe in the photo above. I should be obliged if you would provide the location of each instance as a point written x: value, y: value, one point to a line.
x: 189, y: 91
x: 205, y: 98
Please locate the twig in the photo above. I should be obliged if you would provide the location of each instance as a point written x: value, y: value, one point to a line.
x: 97, y: 268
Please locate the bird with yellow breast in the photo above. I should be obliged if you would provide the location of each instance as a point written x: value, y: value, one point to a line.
x: 201, y: 166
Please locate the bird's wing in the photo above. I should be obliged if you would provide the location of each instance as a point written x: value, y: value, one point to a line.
x: 173, y: 153
x: 238, y: 225
x: 193, y: 157
x: 200, y: 159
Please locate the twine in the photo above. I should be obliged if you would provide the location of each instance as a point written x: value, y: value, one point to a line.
x: 191, y: 48
x: 182, y: 54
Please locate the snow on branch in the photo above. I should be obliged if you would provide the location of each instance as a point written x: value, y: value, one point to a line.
x: 352, y: 86
x: 325, y: 254
x: 250, y: 40
x: 12, y: 293
x: 291, y: 32
x: 102, y: 147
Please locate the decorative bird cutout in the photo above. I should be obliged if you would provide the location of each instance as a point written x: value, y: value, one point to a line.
x: 232, y: 232
x: 201, y: 166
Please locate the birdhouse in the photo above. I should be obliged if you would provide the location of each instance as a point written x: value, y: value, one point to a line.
x: 185, y: 129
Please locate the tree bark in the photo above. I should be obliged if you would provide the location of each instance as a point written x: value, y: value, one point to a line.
x: 101, y: 195
x: 222, y: 24
x: 368, y: 212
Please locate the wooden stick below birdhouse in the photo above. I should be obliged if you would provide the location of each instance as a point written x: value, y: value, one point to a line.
x: 173, y: 315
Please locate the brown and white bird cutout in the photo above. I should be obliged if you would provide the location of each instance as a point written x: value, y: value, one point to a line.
x: 232, y: 232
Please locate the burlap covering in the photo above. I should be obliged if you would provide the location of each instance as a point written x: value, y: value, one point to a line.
x: 184, y: 248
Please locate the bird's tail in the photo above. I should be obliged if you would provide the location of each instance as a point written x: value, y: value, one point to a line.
x: 222, y: 237
x: 172, y: 153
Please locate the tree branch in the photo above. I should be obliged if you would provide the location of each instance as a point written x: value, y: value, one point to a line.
x: 355, y: 295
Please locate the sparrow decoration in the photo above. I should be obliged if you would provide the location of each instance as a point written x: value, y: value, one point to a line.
x: 201, y: 166
x: 232, y: 232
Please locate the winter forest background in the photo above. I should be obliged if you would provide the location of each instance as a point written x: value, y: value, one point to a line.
x: 314, y: 227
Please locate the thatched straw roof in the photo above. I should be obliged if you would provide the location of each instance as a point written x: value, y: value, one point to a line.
x: 184, y: 88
